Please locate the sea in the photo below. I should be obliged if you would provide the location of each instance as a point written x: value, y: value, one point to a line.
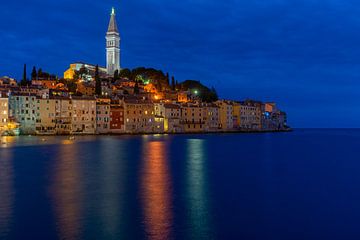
x: 303, y: 184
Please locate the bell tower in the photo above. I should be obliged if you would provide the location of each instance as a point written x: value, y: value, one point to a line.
x: 112, y: 45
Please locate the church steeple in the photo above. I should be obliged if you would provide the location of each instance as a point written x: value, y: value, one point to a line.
x: 112, y: 45
x: 112, y: 24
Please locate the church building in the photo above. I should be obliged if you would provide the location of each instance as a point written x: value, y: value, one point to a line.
x: 112, y: 46
x: 112, y: 55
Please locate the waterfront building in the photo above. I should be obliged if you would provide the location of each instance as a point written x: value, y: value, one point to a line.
x: 226, y: 114
x: 192, y: 117
x: 4, y: 111
x: 250, y: 115
x: 83, y: 115
x: 236, y: 115
x: 103, y: 116
x: 212, y: 117
x: 139, y: 115
x: 23, y: 108
x: 272, y: 118
x: 63, y: 115
x: 112, y: 46
x: 117, y: 120
x: 45, y: 116
x: 171, y: 114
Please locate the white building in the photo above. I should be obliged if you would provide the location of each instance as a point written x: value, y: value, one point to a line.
x: 112, y: 46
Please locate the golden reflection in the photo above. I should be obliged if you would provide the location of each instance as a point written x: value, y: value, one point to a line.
x: 67, y: 192
x: 197, y: 190
x: 7, y: 141
x: 6, y: 191
x: 156, y: 191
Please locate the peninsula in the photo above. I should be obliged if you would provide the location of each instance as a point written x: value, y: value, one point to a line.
x: 90, y: 99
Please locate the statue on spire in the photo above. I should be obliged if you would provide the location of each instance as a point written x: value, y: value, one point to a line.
x: 113, y: 11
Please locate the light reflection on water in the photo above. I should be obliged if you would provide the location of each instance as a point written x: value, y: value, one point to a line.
x: 36, y: 141
x: 67, y: 192
x: 156, y: 191
x: 112, y: 188
x: 248, y: 186
x: 197, y: 189
x: 6, y: 191
x: 89, y: 186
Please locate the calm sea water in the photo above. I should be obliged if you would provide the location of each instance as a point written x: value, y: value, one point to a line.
x: 299, y: 185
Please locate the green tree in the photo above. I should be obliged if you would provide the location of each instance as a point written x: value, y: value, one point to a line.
x: 72, y: 87
x: 125, y: 73
x: 97, y: 81
x: 34, y: 74
x: 136, y: 88
x: 116, y: 74
x: 40, y: 73
x: 168, y: 79
x: 173, y: 83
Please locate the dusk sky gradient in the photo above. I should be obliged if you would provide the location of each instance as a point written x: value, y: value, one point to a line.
x: 305, y: 55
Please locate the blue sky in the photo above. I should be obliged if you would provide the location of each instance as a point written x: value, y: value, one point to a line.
x: 305, y: 54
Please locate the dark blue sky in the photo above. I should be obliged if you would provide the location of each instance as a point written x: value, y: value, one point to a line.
x: 303, y: 54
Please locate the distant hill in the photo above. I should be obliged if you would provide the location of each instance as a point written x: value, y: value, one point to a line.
x: 206, y: 94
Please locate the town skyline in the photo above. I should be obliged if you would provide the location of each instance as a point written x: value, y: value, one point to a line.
x: 299, y: 86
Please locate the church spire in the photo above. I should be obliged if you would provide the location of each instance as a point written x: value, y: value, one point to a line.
x: 112, y: 24
x: 112, y: 45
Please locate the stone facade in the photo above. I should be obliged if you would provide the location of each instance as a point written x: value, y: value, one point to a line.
x: 83, y: 116
x: 23, y: 108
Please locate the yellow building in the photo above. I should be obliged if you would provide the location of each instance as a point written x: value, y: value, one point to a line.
x: 192, y: 118
x: 226, y: 114
x: 236, y: 114
x: 139, y: 116
x: 63, y: 115
x: 4, y: 111
x: 46, y: 116
x: 212, y: 117
x: 83, y: 115
x: 171, y: 114
x: 69, y: 74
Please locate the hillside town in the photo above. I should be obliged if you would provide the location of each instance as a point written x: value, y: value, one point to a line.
x: 90, y: 99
